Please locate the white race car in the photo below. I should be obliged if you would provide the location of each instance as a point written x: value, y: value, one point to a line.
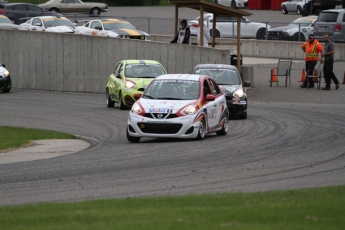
x: 178, y: 106
x: 226, y: 26
x: 232, y: 3
x: 48, y: 24
x: 115, y: 28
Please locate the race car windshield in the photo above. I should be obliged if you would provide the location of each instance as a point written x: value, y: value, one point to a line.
x: 222, y: 76
x: 143, y: 70
x: 171, y: 89
x: 118, y: 25
x: 58, y: 22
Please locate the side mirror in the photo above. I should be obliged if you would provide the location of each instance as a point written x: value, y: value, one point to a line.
x: 247, y: 84
x: 3, y: 65
x: 98, y: 28
x: 117, y: 75
x: 137, y: 96
x: 210, y: 97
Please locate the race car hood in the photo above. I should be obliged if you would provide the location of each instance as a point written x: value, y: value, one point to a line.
x: 285, y: 28
x: 228, y: 88
x: 163, y: 106
x: 60, y: 29
x: 141, y: 82
x: 129, y: 32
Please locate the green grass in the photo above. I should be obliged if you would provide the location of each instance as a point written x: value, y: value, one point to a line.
x: 317, y: 208
x: 11, y: 137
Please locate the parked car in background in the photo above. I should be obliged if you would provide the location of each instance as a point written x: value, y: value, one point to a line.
x: 130, y: 77
x: 230, y: 83
x: 293, y: 6
x: 20, y: 12
x: 232, y: 3
x: 75, y: 6
x: 227, y: 27
x: 5, y: 79
x: 5, y: 23
x: 115, y: 28
x: 316, y: 6
x: 178, y: 106
x: 331, y: 22
x: 49, y: 24
x: 298, y: 30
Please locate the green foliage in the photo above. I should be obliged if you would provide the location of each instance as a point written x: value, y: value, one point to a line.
x: 12, y: 137
x: 314, y: 209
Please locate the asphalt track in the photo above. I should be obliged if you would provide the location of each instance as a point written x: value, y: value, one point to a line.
x: 292, y: 138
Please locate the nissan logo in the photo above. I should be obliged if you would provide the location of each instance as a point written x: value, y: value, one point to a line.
x: 160, y: 116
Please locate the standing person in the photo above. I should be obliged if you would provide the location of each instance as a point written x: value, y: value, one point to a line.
x: 183, y: 34
x: 312, y: 48
x: 206, y: 36
x: 328, y: 63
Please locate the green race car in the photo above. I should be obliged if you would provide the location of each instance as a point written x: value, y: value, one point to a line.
x: 130, y: 77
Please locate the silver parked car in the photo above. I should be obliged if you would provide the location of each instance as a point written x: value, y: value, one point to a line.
x: 232, y: 3
x: 293, y: 6
x: 331, y: 22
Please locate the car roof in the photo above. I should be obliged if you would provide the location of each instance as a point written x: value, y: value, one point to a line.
x: 222, y: 66
x: 137, y: 61
x: 191, y: 77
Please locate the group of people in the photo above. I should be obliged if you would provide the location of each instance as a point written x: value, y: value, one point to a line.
x: 183, y: 35
x: 312, y: 49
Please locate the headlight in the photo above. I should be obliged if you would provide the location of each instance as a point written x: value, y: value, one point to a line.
x: 136, y: 109
x: 189, y: 110
x: 239, y: 93
x: 6, y: 73
x: 130, y: 84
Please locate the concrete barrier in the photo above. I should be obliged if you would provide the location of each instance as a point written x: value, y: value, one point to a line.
x: 70, y: 62
x: 263, y: 48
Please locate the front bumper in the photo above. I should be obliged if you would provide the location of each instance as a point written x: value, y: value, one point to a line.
x: 179, y: 127
x: 5, y: 82
x: 236, y: 106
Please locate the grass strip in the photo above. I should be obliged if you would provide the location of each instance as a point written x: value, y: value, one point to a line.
x: 314, y: 208
x: 13, y: 137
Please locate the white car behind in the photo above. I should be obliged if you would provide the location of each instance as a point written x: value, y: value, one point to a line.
x: 48, y: 24
x: 226, y: 27
x: 293, y: 6
x: 232, y: 3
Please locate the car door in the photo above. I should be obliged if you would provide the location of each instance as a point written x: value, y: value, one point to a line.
x: 118, y: 80
x: 34, y: 11
x: 95, y: 27
x: 21, y: 13
x: 225, y: 26
x: 246, y: 27
x: 291, y: 5
x: 218, y: 103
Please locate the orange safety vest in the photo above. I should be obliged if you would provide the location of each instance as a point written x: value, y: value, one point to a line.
x: 312, y: 50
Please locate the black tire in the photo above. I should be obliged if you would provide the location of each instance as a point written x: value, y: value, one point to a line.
x: 121, y: 105
x: 7, y: 90
x: 217, y: 34
x: 261, y: 34
x: 110, y: 103
x: 233, y: 4
x: 132, y: 139
x: 299, y: 10
x: 296, y: 38
x: 284, y: 10
x: 202, y: 130
x: 225, y: 127
x: 54, y: 10
x: 95, y: 11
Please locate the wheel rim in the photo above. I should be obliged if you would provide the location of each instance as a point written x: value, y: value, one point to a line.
x: 202, y: 129
x: 107, y: 96
x: 95, y: 11
x: 226, y: 125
